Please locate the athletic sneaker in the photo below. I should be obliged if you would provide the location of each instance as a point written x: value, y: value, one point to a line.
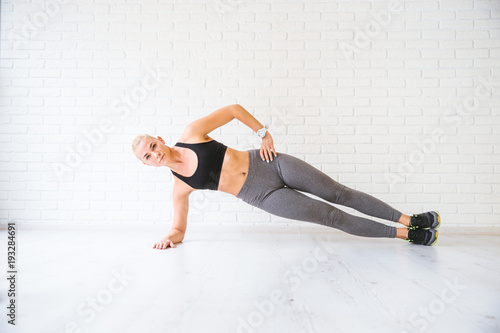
x: 422, y: 236
x: 428, y: 220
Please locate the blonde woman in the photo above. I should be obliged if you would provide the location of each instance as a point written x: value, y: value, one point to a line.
x: 270, y: 181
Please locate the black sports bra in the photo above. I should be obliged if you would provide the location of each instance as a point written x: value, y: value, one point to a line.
x: 210, y: 158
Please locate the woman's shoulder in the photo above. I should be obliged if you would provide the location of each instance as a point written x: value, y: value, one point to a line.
x: 189, y: 137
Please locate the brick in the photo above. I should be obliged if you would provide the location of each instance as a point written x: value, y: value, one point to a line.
x: 422, y: 5
x: 321, y: 7
x: 189, y: 7
x: 439, y: 15
x: 429, y: 25
x: 475, y: 209
x: 463, y: 24
x: 477, y: 53
x: 354, y: 6
x: 288, y: 7
x: 473, y: 14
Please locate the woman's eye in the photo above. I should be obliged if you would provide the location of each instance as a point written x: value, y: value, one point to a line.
x: 154, y: 146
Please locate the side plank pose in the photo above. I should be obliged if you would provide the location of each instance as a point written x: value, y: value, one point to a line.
x: 269, y: 181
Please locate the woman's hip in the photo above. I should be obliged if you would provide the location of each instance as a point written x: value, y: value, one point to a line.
x: 262, y: 179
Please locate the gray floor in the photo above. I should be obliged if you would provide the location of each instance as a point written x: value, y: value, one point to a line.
x: 251, y: 279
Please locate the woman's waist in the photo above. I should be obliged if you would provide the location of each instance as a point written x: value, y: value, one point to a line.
x: 234, y: 171
x: 235, y: 162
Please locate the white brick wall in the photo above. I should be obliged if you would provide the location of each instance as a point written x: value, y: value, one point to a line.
x: 399, y: 99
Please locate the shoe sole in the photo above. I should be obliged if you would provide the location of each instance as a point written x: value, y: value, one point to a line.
x: 435, y: 240
x: 437, y: 218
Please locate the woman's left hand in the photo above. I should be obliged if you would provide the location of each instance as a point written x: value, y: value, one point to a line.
x: 267, y: 148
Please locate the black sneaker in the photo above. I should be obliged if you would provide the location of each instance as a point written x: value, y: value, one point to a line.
x: 429, y: 220
x: 422, y: 236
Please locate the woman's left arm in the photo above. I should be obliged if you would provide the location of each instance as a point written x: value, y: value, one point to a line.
x: 220, y: 117
x: 267, y: 146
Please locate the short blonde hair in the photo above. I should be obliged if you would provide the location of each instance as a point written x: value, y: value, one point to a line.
x: 137, y: 141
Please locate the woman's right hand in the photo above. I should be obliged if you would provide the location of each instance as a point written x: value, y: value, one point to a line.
x: 164, y: 243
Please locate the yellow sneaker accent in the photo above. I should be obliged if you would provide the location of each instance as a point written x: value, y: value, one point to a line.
x: 437, y: 234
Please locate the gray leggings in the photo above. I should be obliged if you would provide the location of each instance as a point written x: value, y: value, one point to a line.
x: 273, y: 187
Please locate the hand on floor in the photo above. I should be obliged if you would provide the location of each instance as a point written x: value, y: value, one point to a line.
x: 163, y: 244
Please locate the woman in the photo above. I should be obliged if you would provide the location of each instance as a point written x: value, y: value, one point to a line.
x: 268, y: 181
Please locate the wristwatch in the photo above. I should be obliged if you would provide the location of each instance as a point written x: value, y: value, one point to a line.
x: 262, y: 132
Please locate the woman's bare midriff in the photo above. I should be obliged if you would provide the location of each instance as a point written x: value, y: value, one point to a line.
x: 234, y: 171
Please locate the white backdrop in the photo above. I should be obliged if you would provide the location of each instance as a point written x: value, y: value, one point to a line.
x: 396, y: 98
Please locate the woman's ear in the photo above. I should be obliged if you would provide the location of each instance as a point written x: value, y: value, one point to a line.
x: 159, y: 138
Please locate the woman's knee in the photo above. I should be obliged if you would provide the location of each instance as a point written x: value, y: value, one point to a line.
x: 346, y: 195
x: 335, y: 218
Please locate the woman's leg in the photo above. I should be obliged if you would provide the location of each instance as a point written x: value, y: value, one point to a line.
x: 265, y: 188
x: 300, y: 175
x: 274, y: 187
x: 289, y: 203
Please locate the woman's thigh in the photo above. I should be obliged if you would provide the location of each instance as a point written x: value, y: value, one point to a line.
x: 289, y: 203
x: 304, y: 177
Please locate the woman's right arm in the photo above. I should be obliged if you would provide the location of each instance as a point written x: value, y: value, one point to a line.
x: 180, y: 197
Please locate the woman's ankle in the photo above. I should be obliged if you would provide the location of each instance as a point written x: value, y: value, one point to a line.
x: 402, y: 233
x: 405, y: 220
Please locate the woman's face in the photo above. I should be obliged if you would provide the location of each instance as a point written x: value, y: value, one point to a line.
x: 152, y: 151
